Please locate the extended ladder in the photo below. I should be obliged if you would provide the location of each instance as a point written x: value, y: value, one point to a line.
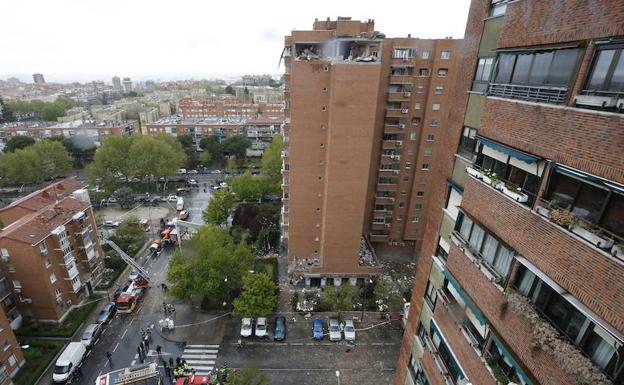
x: 129, y: 260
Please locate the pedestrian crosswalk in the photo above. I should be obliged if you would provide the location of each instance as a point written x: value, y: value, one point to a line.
x: 202, y: 358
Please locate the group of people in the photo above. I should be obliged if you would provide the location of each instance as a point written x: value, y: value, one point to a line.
x: 178, y: 369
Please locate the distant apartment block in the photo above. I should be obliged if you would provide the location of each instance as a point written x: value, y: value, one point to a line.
x: 196, y: 128
x: 116, y: 82
x: 50, y: 253
x: 260, y: 131
x: 38, y: 78
x: 363, y: 114
x: 520, y: 275
x: 95, y: 130
x: 127, y: 85
x: 227, y: 106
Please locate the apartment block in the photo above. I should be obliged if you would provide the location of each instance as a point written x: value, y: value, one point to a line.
x: 363, y: 114
x: 49, y: 252
x: 227, y: 106
x: 520, y: 278
x: 196, y: 127
x: 11, y: 356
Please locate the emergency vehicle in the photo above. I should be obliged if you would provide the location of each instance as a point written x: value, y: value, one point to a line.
x: 147, y: 374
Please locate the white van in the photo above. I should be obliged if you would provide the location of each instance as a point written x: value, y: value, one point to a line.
x: 180, y: 204
x: 70, y: 359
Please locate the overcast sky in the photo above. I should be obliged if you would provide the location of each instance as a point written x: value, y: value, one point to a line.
x: 174, y: 39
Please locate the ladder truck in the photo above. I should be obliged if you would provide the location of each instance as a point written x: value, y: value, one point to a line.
x: 128, y: 299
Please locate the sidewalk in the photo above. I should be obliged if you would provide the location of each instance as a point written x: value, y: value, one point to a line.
x: 193, y: 326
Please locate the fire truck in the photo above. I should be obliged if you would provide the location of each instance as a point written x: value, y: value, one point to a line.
x: 147, y: 374
x: 193, y: 380
x: 126, y: 302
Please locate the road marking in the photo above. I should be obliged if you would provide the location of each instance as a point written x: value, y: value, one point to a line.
x: 296, y: 344
x: 116, y: 346
x: 124, y: 334
x: 133, y: 362
x: 89, y: 353
x: 195, y: 351
x: 202, y: 358
x: 100, y: 373
x: 201, y: 346
x: 377, y: 343
x: 131, y: 320
x: 136, y: 356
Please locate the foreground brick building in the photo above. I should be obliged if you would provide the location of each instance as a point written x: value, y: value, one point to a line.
x: 49, y: 252
x: 363, y: 114
x: 521, y: 273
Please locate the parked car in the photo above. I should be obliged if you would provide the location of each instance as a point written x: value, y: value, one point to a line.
x: 133, y: 275
x: 191, y: 172
x: 112, y: 200
x: 91, y: 335
x: 107, y: 313
x: 192, y: 182
x: 280, y: 328
x: 216, y: 187
x: 111, y: 223
x: 223, y: 184
x: 334, y: 330
x: 184, y: 214
x: 261, y: 327
x: 215, y: 172
x: 246, y: 327
x: 317, y: 329
x: 349, y: 330
x: 181, y: 171
x: 172, y: 198
x: 68, y: 362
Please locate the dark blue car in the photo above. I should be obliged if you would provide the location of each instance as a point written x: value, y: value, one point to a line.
x: 317, y: 329
x: 280, y: 328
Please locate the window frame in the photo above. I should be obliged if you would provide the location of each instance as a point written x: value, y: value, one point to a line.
x: 617, y: 57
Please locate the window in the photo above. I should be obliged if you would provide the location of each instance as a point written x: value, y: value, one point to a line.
x: 428, y: 151
x: 42, y: 248
x: 484, y: 71
x: 420, y: 89
x: 498, y: 8
x: 420, y: 193
x: 57, y: 291
x: 607, y: 74
x: 5, y: 254
x: 422, y: 180
x: 417, y: 106
x: 430, y: 137
x: 408, y: 165
x: 431, y: 295
x: 435, y: 106
x: 52, y: 278
x: 406, y: 178
x: 538, y: 68
x: 425, y: 55
x: 5, y: 345
x: 401, y: 205
x: 425, y: 166
x: 445, y: 55
x: 401, y: 53
x: 496, y: 256
x: 412, y: 136
x: 442, y: 72
x: 17, y: 284
x: 423, y: 72
x: 12, y: 360
x: 415, y: 121
x: 414, y: 219
x: 439, y: 89
x: 468, y: 143
x: 47, y: 263
x: 418, y: 206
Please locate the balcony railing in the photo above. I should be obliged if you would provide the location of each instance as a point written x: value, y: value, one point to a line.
x: 555, y: 95
x: 592, y: 233
x: 490, y: 272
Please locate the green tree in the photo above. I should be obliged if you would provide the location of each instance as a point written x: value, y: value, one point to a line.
x: 111, y: 161
x: 248, y: 187
x: 237, y: 146
x: 6, y: 114
x: 272, y: 159
x: 192, y: 157
x: 213, y: 151
x: 54, y: 159
x: 34, y: 163
x: 219, y: 207
x: 129, y: 236
x: 52, y: 111
x: 248, y: 376
x: 339, y: 298
x: 230, y: 90
x: 18, y: 142
x: 211, y: 265
x: 258, y: 297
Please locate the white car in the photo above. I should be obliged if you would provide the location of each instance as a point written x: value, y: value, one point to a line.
x: 215, y: 172
x: 349, y: 330
x: 223, y: 185
x: 111, y: 223
x: 261, y: 327
x: 172, y: 198
x: 246, y: 327
x: 334, y: 330
x: 192, y: 182
x: 192, y: 172
x: 91, y: 335
x: 181, y: 171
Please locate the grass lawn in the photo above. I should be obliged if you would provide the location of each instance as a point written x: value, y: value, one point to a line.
x: 268, y: 265
x: 32, y: 328
x: 37, y: 356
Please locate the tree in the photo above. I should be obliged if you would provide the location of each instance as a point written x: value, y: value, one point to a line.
x: 213, y: 151
x: 18, y: 142
x: 212, y: 265
x: 54, y: 159
x: 248, y: 187
x: 52, y: 111
x: 192, y: 158
x: 339, y: 298
x: 237, y: 146
x: 6, y: 114
x: 129, y: 236
x: 219, y: 207
x: 258, y: 296
x: 230, y: 90
x: 34, y: 163
x: 272, y: 158
x: 248, y: 376
x: 111, y: 160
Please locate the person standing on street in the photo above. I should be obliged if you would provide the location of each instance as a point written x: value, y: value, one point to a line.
x: 108, y: 357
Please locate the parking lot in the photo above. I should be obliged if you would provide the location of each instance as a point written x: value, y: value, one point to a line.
x: 302, y: 360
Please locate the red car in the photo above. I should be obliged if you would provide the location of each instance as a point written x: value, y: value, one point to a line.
x: 193, y: 380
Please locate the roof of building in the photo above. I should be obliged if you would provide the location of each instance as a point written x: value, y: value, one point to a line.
x: 265, y: 120
x: 44, y: 197
x: 34, y: 227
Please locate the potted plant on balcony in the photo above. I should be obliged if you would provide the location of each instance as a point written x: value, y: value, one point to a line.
x: 474, y: 172
x: 618, y: 250
x: 562, y: 217
x: 593, y: 234
x: 514, y: 193
x: 495, y: 182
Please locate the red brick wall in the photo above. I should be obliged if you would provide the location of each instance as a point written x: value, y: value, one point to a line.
x: 594, y: 278
x: 588, y: 140
x: 534, y: 22
x: 442, y: 167
x: 431, y: 369
x: 513, y: 329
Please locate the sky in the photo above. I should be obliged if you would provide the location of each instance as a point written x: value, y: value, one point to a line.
x: 83, y: 40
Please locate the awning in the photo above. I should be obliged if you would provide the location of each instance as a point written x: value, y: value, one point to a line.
x: 572, y: 300
x: 466, y: 299
x: 539, y: 48
x: 452, y: 184
x: 523, y: 156
x: 602, y: 182
x: 509, y: 360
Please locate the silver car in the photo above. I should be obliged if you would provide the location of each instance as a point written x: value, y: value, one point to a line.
x: 334, y: 330
x: 91, y: 335
x: 349, y: 330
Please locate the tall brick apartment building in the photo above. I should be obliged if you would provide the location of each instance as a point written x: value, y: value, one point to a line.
x: 50, y: 254
x: 363, y: 113
x: 521, y: 275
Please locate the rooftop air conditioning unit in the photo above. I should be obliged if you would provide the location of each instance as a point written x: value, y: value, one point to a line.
x: 401, y: 126
x: 407, y: 94
x: 595, y: 101
x: 404, y: 110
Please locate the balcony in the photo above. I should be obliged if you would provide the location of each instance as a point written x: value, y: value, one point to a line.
x: 394, y: 128
x: 399, y: 96
x: 396, y: 112
x: 384, y: 200
x: 378, y: 237
x: 597, y: 236
x: 554, y: 95
x: 501, y: 185
x: 401, y: 79
x: 392, y: 144
x: 600, y: 100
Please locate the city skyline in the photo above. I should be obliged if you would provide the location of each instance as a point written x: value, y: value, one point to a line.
x: 151, y: 44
